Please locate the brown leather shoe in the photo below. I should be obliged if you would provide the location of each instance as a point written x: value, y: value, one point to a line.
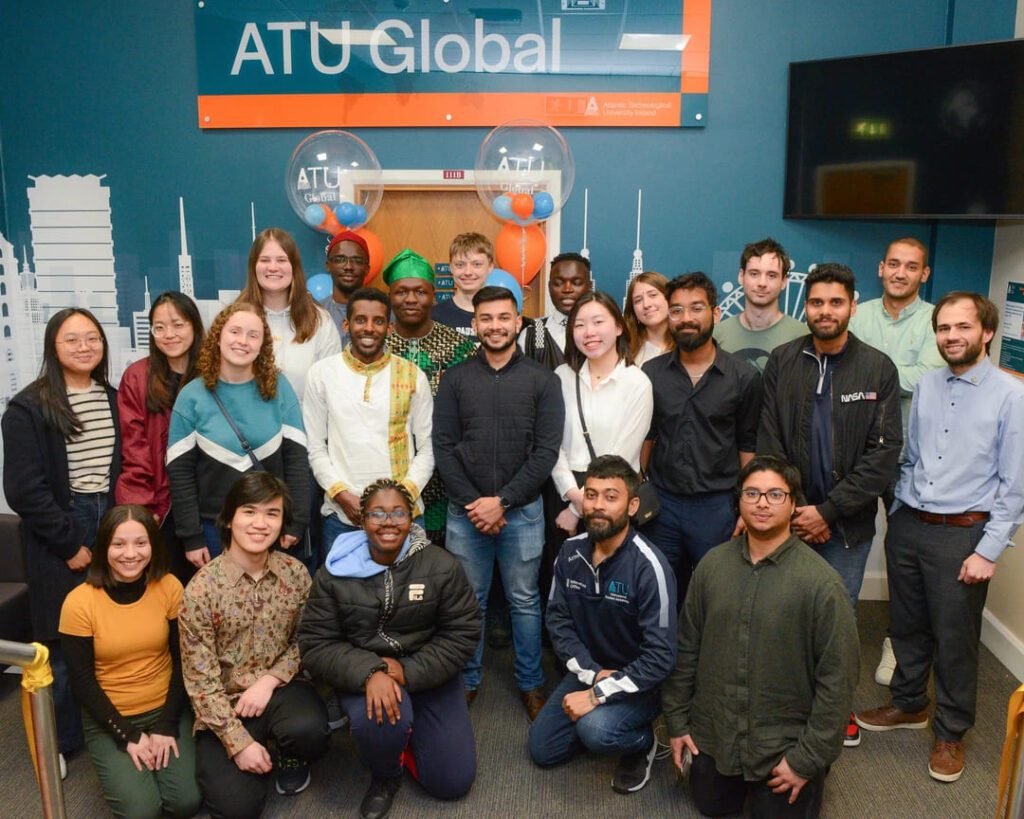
x: 533, y: 701
x: 946, y: 763
x: 471, y: 695
x: 889, y: 718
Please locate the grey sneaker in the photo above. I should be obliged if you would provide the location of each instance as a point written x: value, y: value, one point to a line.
x: 292, y: 775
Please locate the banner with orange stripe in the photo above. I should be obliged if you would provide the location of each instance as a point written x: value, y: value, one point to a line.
x: 583, y: 63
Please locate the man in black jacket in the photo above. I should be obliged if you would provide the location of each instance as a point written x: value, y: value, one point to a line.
x: 498, y: 421
x: 831, y: 407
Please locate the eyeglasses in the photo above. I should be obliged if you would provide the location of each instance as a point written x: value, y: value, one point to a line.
x: 774, y: 496
x: 77, y: 341
x: 355, y: 261
x: 681, y: 310
x: 395, y: 515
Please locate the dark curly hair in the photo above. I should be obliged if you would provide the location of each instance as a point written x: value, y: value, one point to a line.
x: 380, y: 485
x: 264, y: 368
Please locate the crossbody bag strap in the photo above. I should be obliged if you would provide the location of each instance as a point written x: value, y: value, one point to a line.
x: 241, y: 438
x: 583, y: 422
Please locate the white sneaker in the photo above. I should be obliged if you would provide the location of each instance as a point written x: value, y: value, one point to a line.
x: 887, y: 665
x: 63, y: 767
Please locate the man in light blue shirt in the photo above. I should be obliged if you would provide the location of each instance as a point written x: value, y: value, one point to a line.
x: 959, y: 500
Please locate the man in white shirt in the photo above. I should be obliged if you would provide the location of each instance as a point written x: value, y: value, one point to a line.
x: 368, y: 415
x: 543, y: 339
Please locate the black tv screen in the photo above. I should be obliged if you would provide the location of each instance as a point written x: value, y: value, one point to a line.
x: 937, y: 133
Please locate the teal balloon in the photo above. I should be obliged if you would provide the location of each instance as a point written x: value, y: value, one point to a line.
x: 313, y: 215
x: 502, y: 278
x: 503, y: 207
x: 346, y: 213
x: 543, y: 205
x: 320, y: 286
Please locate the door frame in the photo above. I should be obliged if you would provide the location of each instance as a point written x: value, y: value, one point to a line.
x: 437, y: 179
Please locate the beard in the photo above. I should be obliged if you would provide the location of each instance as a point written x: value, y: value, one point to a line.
x: 497, y: 346
x: 689, y: 343
x: 828, y: 335
x: 602, y: 527
x: 970, y: 355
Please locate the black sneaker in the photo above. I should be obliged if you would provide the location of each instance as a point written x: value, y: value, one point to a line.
x: 379, y: 796
x: 292, y: 775
x: 634, y: 770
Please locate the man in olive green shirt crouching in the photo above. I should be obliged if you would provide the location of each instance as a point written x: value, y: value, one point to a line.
x: 768, y: 662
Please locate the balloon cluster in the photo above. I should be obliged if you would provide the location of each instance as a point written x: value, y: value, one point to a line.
x: 334, y: 181
x: 516, y: 168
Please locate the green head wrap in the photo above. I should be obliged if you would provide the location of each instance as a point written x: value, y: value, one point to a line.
x: 408, y: 265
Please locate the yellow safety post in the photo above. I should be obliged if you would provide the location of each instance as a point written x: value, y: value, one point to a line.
x: 1011, y: 769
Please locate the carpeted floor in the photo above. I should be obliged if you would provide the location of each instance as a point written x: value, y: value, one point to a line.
x: 885, y: 777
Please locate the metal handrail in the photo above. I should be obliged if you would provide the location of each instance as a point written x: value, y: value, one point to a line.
x: 40, y: 724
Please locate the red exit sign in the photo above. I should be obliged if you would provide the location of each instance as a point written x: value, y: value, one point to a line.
x: 454, y: 174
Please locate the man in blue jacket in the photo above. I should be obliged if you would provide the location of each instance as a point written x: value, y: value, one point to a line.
x: 498, y: 420
x: 612, y: 620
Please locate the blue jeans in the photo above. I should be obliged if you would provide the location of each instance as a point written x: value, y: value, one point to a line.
x: 622, y: 726
x: 87, y: 509
x: 517, y: 549
x: 688, y: 527
x: 849, y: 562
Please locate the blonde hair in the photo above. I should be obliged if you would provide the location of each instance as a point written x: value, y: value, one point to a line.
x: 466, y: 243
x: 263, y: 368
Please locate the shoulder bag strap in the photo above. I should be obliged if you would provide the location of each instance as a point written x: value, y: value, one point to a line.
x: 241, y: 438
x: 583, y: 423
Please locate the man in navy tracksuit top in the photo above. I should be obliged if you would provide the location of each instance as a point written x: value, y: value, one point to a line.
x: 612, y: 619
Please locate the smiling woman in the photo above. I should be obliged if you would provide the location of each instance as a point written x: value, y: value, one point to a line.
x: 240, y: 414
x: 389, y: 623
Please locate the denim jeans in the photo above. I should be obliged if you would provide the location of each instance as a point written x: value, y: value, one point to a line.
x: 87, y: 509
x: 622, y: 726
x: 211, y: 534
x: 688, y: 527
x: 849, y: 562
x: 517, y: 549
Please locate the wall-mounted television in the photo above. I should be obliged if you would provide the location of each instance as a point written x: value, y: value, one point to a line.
x: 930, y: 134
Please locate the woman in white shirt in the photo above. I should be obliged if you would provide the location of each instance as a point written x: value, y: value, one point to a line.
x: 302, y: 331
x: 646, y: 317
x: 601, y: 382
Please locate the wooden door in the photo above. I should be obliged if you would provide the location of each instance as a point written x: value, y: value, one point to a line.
x: 426, y: 220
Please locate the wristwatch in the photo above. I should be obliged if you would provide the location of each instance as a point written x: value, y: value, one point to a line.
x: 505, y: 502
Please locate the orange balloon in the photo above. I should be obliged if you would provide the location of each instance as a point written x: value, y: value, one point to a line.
x: 522, y: 205
x: 520, y: 250
x: 376, y: 250
x: 330, y: 225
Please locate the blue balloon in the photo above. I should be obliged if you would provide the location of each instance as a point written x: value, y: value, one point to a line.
x: 360, y: 216
x: 502, y: 278
x: 346, y: 213
x: 502, y: 206
x: 543, y: 205
x: 313, y: 215
x: 320, y: 286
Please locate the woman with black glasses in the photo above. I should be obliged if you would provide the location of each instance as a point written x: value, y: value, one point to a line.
x: 389, y: 624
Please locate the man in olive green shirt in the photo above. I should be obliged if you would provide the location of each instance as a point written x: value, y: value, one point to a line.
x: 762, y: 326
x: 900, y: 325
x: 768, y: 662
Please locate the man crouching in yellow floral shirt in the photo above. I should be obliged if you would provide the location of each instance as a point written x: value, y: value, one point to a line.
x: 239, y: 657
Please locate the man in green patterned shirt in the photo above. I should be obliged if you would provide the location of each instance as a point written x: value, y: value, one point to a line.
x: 432, y: 346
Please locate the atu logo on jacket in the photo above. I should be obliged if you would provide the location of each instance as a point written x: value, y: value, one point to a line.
x: 618, y: 591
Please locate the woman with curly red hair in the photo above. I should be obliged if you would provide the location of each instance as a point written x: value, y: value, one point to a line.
x: 239, y: 414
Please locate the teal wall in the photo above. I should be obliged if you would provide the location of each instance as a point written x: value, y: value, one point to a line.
x: 109, y: 87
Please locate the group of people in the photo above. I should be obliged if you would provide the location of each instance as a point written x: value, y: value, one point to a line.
x: 299, y: 518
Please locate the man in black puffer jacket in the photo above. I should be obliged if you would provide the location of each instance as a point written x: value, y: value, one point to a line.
x: 498, y: 421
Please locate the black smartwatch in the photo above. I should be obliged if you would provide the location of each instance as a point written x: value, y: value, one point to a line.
x: 505, y: 503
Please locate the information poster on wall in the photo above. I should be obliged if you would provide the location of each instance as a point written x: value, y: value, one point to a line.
x: 306, y: 64
x: 1011, y: 354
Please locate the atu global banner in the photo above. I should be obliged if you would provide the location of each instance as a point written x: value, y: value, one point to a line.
x: 567, y: 62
